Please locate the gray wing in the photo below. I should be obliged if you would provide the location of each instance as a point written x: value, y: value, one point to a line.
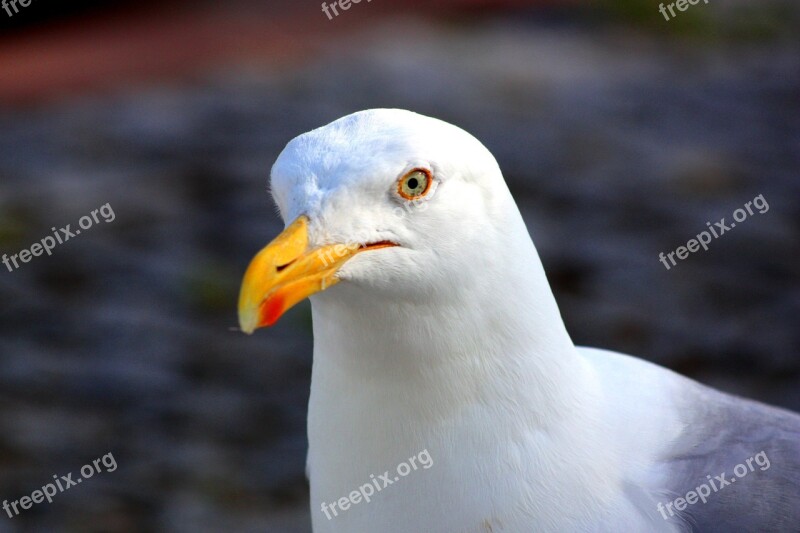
x: 746, y: 456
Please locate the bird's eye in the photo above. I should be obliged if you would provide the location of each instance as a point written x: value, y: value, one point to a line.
x: 415, y: 184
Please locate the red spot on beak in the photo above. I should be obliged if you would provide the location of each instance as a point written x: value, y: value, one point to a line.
x: 271, y: 310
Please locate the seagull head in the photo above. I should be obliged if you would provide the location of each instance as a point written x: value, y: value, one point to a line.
x: 387, y: 201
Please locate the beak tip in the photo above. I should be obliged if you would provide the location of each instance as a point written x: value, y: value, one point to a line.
x: 264, y: 315
x: 247, y: 323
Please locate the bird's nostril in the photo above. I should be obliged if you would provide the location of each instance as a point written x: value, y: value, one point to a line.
x: 280, y: 268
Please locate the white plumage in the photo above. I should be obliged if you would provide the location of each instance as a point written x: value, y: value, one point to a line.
x: 452, y: 342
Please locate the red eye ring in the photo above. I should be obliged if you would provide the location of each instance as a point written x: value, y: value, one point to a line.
x: 414, y: 193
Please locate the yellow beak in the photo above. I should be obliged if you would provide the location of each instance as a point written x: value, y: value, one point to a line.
x: 286, y: 272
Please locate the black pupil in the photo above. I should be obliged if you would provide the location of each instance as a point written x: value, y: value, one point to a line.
x: 413, y: 183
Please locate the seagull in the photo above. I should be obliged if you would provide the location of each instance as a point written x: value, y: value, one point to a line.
x: 436, y: 331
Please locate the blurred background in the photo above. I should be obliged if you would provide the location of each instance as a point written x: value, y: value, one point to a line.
x: 620, y: 133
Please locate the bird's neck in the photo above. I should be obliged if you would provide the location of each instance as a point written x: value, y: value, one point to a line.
x: 494, y: 376
x: 505, y: 343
